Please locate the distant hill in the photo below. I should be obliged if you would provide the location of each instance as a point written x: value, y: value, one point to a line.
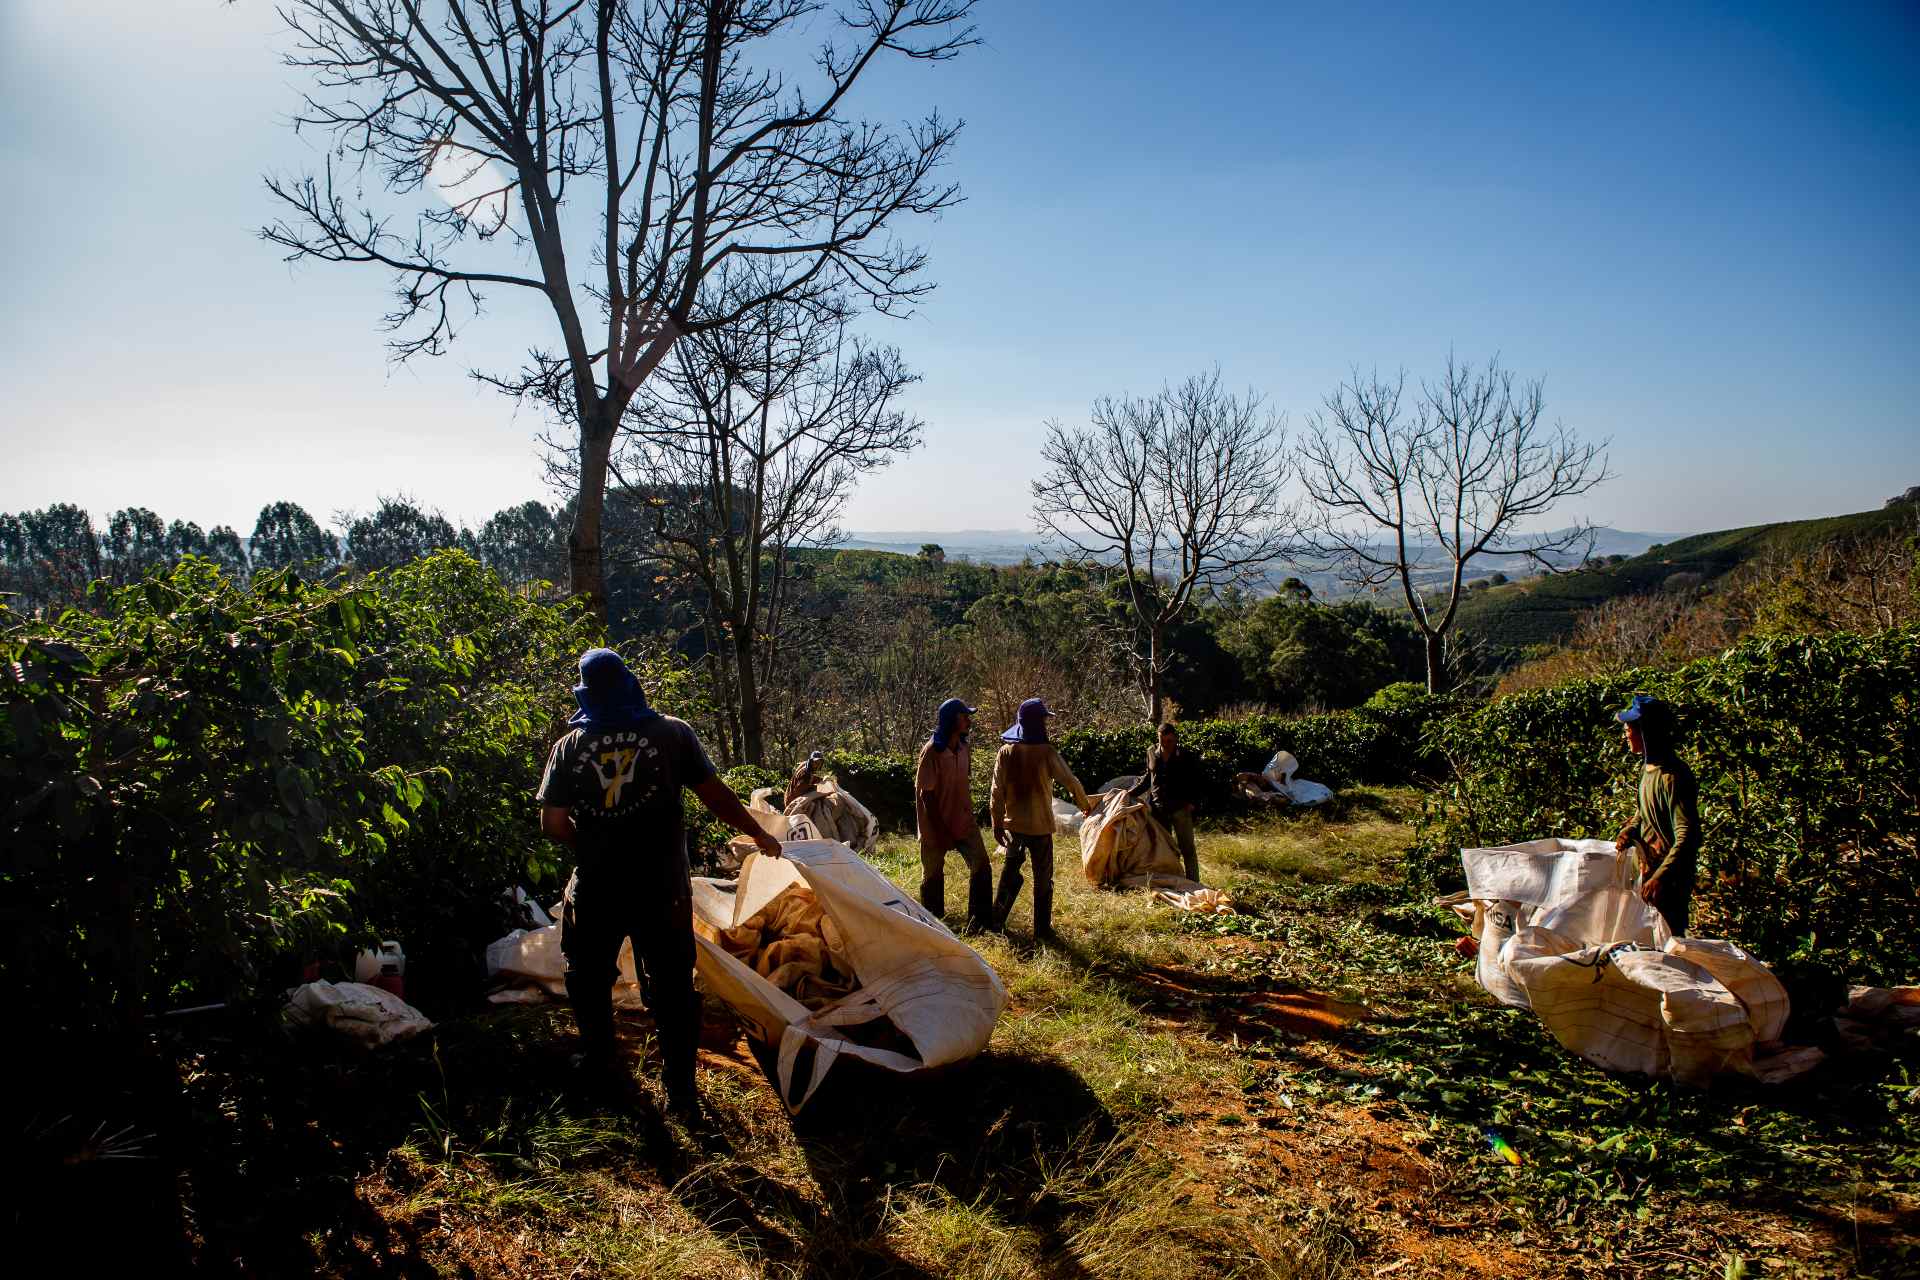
x: 1543, y: 610
x: 1011, y: 546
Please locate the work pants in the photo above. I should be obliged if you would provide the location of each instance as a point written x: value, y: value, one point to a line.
x: 652, y: 906
x: 1674, y: 901
x: 1180, y: 824
x: 933, y: 878
x: 1019, y: 849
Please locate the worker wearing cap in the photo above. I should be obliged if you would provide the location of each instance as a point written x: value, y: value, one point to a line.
x: 1666, y: 830
x: 1021, y: 805
x: 805, y: 776
x: 611, y: 793
x: 943, y: 804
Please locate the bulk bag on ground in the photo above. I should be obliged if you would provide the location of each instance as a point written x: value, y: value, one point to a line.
x: 1121, y: 845
x: 1563, y: 931
x: 1279, y: 775
x: 923, y: 998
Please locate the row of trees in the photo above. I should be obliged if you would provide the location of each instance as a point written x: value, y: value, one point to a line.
x: 49, y: 557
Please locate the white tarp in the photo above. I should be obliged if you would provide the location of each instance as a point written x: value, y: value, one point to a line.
x: 366, y: 1015
x: 528, y: 965
x: 935, y: 990
x: 1562, y: 930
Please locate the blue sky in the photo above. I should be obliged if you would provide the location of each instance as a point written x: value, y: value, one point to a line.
x: 1697, y: 223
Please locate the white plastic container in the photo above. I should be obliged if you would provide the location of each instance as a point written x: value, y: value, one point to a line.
x: 385, y: 968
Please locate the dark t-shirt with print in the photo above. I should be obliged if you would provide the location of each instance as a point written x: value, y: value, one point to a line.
x: 622, y: 787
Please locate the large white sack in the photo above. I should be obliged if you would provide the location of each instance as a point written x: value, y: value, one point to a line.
x: 1630, y: 1008
x: 1586, y: 885
x: 1121, y: 845
x: 1067, y: 820
x: 366, y: 1015
x: 833, y: 814
x: 1279, y: 774
x: 1305, y: 794
x: 935, y: 989
x: 1563, y: 931
x: 530, y: 960
x: 768, y: 814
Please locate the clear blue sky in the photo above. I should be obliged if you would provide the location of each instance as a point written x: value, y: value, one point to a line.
x: 1696, y: 222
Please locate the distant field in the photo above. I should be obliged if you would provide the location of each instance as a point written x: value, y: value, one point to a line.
x: 1543, y: 610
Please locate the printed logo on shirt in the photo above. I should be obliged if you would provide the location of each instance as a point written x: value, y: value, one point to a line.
x: 627, y: 768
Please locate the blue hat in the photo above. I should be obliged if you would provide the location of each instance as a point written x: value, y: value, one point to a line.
x: 1029, y: 723
x: 1643, y: 706
x: 946, y: 720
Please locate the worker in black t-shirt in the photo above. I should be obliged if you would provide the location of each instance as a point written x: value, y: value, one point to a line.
x: 611, y: 793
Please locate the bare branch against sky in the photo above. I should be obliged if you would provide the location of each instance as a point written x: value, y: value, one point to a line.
x: 647, y: 168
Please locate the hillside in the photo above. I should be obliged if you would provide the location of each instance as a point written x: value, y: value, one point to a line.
x: 1543, y: 610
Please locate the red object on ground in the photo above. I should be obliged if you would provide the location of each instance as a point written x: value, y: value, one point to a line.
x: 1468, y: 947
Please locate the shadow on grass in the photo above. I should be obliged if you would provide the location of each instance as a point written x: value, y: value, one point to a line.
x: 1001, y: 1135
x: 248, y: 1151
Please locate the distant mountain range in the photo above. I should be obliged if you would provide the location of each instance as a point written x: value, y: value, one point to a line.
x: 1011, y: 546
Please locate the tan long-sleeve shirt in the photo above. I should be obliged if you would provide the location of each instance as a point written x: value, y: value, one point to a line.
x: 1023, y: 778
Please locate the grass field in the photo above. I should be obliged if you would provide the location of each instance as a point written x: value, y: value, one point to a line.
x: 1302, y: 1089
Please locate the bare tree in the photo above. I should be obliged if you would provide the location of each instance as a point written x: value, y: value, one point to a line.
x: 1453, y: 475
x: 1182, y: 490
x: 745, y: 447
x: 701, y: 166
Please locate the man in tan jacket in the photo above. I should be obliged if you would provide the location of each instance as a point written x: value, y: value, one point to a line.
x: 1022, y: 808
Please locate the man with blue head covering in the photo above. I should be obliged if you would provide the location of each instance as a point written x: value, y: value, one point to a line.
x: 611, y: 793
x: 943, y: 804
x: 1021, y: 805
x: 1666, y: 830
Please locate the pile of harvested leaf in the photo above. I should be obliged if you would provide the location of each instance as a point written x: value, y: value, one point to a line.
x: 795, y: 945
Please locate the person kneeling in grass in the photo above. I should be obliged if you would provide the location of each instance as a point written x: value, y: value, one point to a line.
x: 611, y: 793
x: 1021, y: 804
x: 1667, y: 827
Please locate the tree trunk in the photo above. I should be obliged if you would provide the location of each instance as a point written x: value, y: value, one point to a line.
x: 1156, y: 703
x: 586, y: 558
x: 1436, y: 663
x: 747, y: 682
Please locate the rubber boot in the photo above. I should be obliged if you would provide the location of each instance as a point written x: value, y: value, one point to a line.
x: 933, y: 896
x: 593, y: 1014
x: 980, y: 898
x: 1010, y: 883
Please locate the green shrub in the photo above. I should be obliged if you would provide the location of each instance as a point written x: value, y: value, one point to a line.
x: 1807, y: 751
x: 213, y: 783
x: 1395, y: 696
x: 1339, y: 748
x: 190, y: 789
x: 882, y: 783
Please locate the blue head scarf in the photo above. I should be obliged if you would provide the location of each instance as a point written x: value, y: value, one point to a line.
x: 609, y: 694
x: 946, y: 720
x: 1029, y: 723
